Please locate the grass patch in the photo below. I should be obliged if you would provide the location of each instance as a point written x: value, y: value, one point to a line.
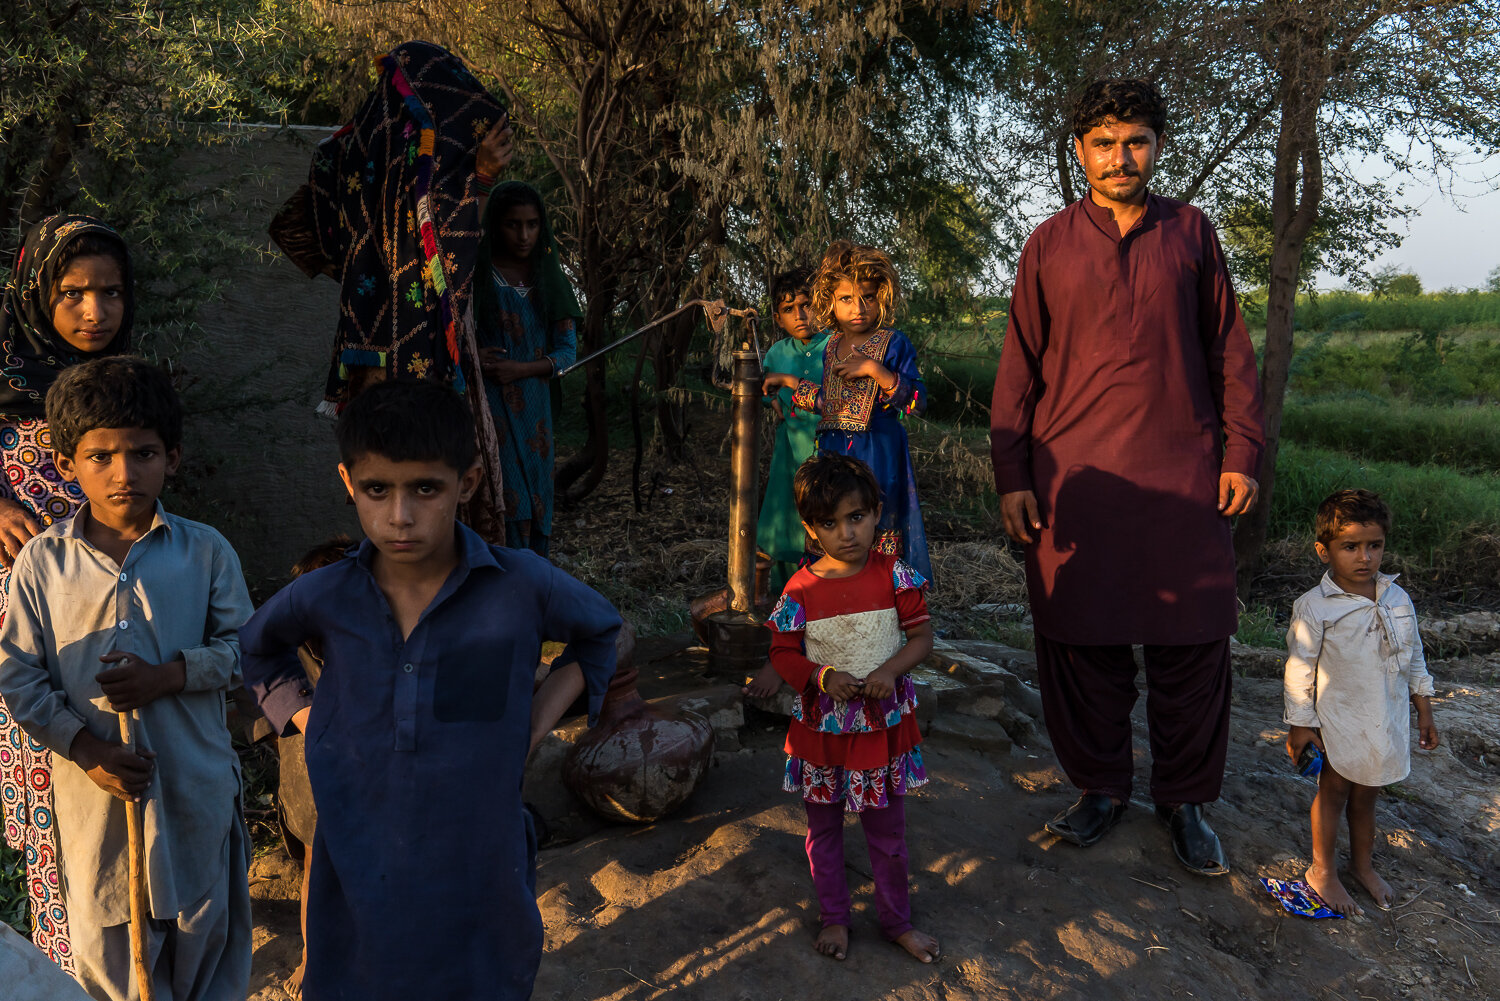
x: 1258, y: 627
x: 1438, y: 512
x: 1464, y: 438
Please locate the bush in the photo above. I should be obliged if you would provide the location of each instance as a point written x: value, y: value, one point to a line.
x: 1432, y: 311
x: 14, y: 906
x: 1426, y: 367
x: 1259, y: 627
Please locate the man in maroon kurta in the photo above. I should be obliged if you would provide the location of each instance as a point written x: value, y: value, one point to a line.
x: 1125, y: 431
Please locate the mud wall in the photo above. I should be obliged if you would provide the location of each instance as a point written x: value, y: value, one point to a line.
x: 259, y: 464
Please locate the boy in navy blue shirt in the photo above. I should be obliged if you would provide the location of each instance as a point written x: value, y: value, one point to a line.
x: 416, y: 742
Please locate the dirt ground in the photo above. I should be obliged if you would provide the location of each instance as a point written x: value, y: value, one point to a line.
x: 715, y: 902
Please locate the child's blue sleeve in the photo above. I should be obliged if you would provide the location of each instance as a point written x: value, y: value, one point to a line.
x: 564, y: 344
x: 273, y: 671
x: 583, y: 618
x: 909, y: 394
x: 36, y: 704
x: 215, y: 666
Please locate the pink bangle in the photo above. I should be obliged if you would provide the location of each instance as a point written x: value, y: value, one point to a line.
x: 822, y: 675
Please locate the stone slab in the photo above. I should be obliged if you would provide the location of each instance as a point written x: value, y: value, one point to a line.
x: 960, y: 663
x: 722, y: 705
x: 992, y: 701
x: 972, y: 732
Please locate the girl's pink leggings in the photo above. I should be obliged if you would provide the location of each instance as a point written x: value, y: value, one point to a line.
x: 885, y: 835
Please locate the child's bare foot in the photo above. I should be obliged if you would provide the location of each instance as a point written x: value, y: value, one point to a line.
x: 833, y: 941
x: 920, y: 945
x: 1376, y: 887
x: 1326, y: 885
x: 293, y: 984
x: 765, y: 683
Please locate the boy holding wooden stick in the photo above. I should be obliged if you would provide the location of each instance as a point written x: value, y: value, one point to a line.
x: 125, y: 608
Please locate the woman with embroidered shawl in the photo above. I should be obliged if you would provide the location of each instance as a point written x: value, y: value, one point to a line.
x: 391, y: 211
x: 526, y: 319
x: 70, y: 298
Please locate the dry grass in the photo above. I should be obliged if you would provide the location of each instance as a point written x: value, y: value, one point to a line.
x: 976, y: 573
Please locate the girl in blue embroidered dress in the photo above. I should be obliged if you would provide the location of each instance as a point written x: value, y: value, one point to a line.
x: 870, y: 381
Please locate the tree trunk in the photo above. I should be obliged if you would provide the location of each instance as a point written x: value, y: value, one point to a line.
x: 40, y: 199
x: 671, y: 354
x: 1297, y: 189
x: 1064, y: 169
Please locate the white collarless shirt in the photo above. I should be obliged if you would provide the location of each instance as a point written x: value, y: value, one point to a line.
x: 1352, y: 665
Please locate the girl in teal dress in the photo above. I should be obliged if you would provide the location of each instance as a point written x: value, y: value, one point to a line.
x: 526, y: 324
x: 780, y: 534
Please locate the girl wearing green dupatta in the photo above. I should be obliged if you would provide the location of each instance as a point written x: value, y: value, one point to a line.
x: 526, y: 318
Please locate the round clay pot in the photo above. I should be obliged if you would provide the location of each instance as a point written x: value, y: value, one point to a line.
x: 639, y: 762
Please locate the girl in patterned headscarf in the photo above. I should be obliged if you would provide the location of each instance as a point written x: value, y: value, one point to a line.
x: 70, y: 298
x: 526, y: 320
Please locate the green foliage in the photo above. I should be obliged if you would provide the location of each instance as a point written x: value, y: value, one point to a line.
x: 1258, y: 627
x: 1390, y: 282
x: 103, y: 109
x: 14, y: 908
x: 1350, y: 230
x: 1445, y: 311
x: 93, y: 93
x: 1492, y: 283
x: 1423, y: 367
x: 1436, y: 509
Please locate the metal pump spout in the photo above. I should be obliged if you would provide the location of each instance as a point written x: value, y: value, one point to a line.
x: 738, y: 641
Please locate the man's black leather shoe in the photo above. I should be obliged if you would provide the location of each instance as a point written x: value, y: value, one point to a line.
x: 1196, y: 844
x: 1087, y: 820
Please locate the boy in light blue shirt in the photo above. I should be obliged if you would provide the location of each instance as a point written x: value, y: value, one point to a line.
x: 126, y: 608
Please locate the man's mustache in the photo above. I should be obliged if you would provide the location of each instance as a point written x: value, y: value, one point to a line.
x: 1122, y: 173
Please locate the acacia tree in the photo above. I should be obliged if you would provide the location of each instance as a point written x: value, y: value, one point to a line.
x: 98, y: 100
x: 693, y: 148
x: 1273, y: 104
x: 1354, y: 78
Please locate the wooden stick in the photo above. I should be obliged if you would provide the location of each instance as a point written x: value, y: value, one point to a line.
x: 135, y: 832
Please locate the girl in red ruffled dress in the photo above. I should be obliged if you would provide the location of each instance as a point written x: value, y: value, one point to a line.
x: 852, y: 744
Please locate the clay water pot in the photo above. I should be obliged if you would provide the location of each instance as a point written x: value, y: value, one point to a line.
x: 639, y: 762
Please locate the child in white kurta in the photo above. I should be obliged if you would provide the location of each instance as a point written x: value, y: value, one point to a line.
x: 1354, y: 665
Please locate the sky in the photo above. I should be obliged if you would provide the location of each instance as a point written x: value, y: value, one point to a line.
x: 1449, y: 245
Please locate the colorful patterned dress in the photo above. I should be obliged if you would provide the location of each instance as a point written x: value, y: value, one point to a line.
x: 861, y: 421
x: 32, y: 481
x: 780, y: 534
x: 865, y: 751
x: 32, y: 354
x: 523, y: 413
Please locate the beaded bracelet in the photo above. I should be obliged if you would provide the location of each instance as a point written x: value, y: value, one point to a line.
x: 822, y: 676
